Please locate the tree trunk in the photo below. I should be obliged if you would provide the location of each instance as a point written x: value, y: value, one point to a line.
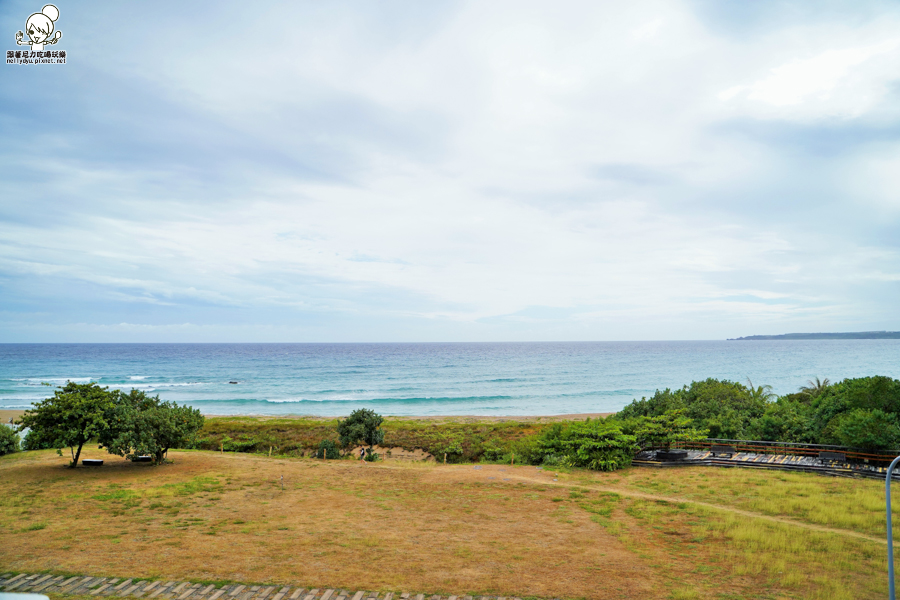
x: 77, y: 454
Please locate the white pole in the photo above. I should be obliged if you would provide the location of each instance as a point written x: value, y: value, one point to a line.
x: 890, y: 530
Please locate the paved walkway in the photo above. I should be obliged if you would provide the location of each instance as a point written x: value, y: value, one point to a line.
x: 185, y: 590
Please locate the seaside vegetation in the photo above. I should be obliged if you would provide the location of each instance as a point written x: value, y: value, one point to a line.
x: 362, y: 426
x: 142, y: 425
x: 9, y: 440
x: 861, y: 413
x: 598, y: 444
x: 128, y: 424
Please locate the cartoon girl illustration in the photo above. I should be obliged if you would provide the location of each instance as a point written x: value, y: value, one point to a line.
x: 39, y: 27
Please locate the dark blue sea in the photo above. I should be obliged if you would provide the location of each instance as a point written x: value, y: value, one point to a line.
x: 429, y: 379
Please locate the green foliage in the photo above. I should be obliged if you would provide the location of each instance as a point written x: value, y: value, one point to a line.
x: 861, y: 413
x: 362, y: 426
x: 788, y: 419
x: 244, y: 443
x: 873, y: 429
x: 724, y: 408
x: 661, y: 431
x: 595, y: 444
x: 141, y: 425
x: 74, y: 415
x: 9, y: 440
x: 31, y: 441
x: 327, y: 449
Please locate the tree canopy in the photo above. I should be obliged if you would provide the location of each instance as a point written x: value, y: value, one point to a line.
x: 142, y: 425
x: 74, y: 415
x: 128, y: 424
x: 362, y: 426
x: 861, y: 412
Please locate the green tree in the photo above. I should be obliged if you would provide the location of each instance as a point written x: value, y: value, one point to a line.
x: 814, y: 388
x: 9, y: 440
x: 142, y: 425
x: 725, y: 408
x: 362, y: 426
x: 663, y: 430
x: 74, y: 415
x: 760, y: 392
x: 659, y: 403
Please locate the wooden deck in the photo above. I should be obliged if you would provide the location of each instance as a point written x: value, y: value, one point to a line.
x: 784, y: 462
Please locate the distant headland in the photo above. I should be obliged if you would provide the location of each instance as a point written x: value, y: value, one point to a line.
x: 852, y: 335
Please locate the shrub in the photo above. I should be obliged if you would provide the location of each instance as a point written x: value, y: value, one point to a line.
x: 9, y: 440
x: 327, y: 449
x: 32, y: 441
x: 244, y: 443
x: 663, y: 430
x: 599, y: 445
x: 725, y: 408
x: 873, y: 430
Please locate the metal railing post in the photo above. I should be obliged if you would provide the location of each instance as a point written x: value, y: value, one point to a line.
x: 890, y: 530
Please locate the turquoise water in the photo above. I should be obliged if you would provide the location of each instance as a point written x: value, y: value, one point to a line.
x: 429, y: 379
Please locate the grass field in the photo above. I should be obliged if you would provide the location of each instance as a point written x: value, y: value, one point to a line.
x: 453, y: 529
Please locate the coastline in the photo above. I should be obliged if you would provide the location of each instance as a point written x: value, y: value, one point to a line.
x: 6, y: 414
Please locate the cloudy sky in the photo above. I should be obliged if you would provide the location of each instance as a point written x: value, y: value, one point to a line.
x: 451, y: 171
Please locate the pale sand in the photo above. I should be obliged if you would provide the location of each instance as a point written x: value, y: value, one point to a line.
x: 5, y: 415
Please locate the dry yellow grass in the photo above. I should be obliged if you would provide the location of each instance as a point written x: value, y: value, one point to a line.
x: 452, y: 529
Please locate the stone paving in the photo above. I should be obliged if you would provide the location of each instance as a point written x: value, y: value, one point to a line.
x: 185, y: 590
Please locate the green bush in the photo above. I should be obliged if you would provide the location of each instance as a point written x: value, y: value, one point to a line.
x: 661, y: 431
x: 244, y: 443
x: 9, y: 440
x: 595, y: 444
x: 873, y: 430
x: 32, y: 441
x: 327, y: 449
x: 725, y: 408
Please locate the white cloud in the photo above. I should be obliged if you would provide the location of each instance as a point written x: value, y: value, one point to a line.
x: 496, y: 157
x: 845, y: 82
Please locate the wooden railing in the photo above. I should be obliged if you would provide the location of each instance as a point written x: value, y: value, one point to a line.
x: 762, y: 447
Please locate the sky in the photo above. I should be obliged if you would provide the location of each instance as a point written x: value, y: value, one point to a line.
x: 387, y: 171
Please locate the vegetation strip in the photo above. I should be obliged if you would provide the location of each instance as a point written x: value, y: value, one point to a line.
x: 172, y: 590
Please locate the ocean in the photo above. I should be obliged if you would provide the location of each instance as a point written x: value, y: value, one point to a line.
x: 429, y: 379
